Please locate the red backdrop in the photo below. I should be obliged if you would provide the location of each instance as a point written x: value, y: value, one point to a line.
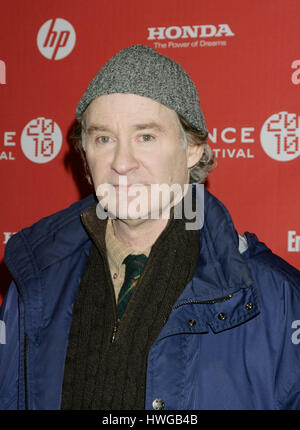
x: 243, y: 56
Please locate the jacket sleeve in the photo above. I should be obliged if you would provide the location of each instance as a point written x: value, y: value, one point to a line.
x: 9, y: 349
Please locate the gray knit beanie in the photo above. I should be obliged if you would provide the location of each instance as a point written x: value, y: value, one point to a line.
x: 143, y: 71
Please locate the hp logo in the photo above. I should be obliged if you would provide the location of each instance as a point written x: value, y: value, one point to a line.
x: 56, y: 39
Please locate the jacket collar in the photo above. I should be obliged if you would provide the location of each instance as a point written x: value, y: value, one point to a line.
x: 221, y: 270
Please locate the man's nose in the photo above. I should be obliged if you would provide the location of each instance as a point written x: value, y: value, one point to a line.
x: 124, y: 159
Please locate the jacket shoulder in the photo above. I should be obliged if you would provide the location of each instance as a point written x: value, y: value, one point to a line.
x: 262, y: 259
x: 50, y: 238
x: 54, y: 222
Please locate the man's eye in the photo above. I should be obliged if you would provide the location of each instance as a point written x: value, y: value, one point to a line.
x: 103, y: 139
x: 146, y: 138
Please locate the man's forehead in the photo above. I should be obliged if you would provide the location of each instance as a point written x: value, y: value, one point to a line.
x: 138, y: 111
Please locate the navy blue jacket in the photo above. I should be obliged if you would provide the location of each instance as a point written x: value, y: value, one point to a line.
x: 231, y: 340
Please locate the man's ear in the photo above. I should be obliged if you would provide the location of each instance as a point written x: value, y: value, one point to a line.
x: 194, y: 154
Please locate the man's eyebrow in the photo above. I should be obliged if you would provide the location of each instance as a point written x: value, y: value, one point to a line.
x: 149, y: 125
x: 97, y: 127
x: 145, y: 126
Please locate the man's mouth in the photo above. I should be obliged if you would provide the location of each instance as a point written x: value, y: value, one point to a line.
x: 129, y: 185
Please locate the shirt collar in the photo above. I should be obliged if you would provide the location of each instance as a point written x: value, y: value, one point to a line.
x: 117, y: 251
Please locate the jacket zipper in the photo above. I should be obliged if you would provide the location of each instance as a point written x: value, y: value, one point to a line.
x: 116, y: 319
x: 204, y: 302
x: 115, y: 330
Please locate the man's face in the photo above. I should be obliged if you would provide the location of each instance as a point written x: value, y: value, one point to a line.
x: 136, y: 142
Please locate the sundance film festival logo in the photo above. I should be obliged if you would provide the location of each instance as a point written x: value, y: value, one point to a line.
x: 41, y: 140
x: 56, y: 39
x: 280, y: 136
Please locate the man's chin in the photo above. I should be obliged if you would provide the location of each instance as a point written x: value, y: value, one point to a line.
x: 133, y: 208
x: 130, y: 214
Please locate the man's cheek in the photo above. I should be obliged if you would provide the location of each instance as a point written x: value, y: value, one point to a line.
x: 96, y: 172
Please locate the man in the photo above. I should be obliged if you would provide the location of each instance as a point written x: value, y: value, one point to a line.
x: 115, y: 303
